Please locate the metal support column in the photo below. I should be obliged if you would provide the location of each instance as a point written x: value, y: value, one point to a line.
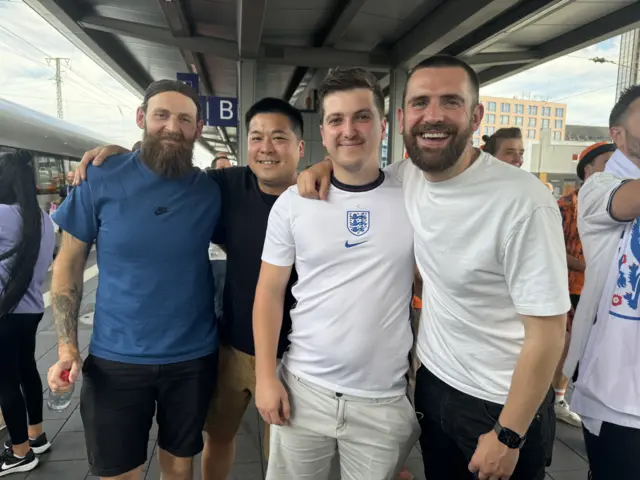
x: 246, y: 98
x: 395, y: 151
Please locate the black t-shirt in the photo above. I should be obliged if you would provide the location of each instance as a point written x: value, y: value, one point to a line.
x: 245, y: 213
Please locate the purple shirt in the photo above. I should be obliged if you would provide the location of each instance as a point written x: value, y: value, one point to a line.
x: 10, y: 230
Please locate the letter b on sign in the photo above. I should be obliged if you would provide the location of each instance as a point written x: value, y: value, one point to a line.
x: 226, y: 110
x: 223, y: 112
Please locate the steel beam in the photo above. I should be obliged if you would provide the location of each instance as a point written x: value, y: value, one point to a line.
x: 515, y: 18
x: 178, y: 22
x: 331, y: 33
x: 276, y: 54
x: 624, y: 19
x: 450, y: 21
x: 502, y: 58
x: 162, y: 36
x: 250, y: 16
x: 322, y: 57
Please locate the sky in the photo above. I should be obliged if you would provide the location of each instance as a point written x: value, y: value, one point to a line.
x: 588, y: 88
x: 93, y: 99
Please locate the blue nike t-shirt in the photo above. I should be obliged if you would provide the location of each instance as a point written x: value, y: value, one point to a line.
x: 154, y: 303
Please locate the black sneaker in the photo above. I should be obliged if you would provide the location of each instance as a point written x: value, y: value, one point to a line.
x: 9, y: 463
x: 39, y: 445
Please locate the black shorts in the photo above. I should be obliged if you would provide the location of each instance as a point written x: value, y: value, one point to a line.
x: 118, y: 402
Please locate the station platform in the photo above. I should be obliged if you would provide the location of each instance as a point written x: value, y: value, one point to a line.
x: 67, y: 459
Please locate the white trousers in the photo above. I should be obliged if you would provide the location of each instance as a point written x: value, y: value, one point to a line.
x: 373, y: 437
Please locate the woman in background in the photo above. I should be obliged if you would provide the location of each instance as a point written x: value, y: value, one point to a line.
x: 26, y: 252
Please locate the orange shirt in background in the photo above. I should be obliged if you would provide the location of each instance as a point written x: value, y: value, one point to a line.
x: 569, y: 210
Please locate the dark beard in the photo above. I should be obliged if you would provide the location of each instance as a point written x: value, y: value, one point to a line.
x: 167, y: 160
x: 436, y: 161
x: 633, y: 145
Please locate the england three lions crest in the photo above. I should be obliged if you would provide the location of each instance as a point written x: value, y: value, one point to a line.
x: 358, y: 222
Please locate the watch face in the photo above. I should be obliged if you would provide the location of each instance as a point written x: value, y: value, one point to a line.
x: 509, y: 438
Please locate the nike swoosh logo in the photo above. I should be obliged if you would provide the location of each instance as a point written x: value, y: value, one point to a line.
x: 349, y: 245
x: 6, y: 467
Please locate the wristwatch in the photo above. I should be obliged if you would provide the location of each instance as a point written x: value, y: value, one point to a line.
x: 508, y: 437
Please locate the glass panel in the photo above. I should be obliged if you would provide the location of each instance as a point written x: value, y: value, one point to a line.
x: 49, y: 174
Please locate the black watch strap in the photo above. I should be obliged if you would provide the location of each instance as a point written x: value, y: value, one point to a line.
x: 508, y: 437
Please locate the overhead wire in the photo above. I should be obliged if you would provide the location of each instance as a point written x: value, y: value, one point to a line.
x: 65, y: 67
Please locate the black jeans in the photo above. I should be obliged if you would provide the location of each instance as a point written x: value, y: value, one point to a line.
x: 452, y: 421
x: 20, y: 384
x: 614, y: 454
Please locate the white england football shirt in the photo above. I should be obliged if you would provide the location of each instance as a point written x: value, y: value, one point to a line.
x: 351, y: 330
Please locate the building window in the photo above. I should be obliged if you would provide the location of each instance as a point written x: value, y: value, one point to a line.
x: 491, y: 119
x: 559, y: 112
x: 558, y: 124
x: 533, y: 121
x: 545, y: 123
x: 519, y: 108
x: 546, y: 111
x: 504, y: 119
x: 556, y: 135
x: 476, y: 142
x: 491, y: 106
x: 489, y: 130
x: 505, y: 107
x: 531, y: 134
x: 533, y: 110
x: 517, y: 121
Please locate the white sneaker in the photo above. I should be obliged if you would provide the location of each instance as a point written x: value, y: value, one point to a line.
x: 564, y: 413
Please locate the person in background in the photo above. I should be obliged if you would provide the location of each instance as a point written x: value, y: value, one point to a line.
x: 603, y: 358
x: 593, y: 159
x: 26, y: 252
x: 65, y: 189
x: 220, y: 160
x: 506, y: 145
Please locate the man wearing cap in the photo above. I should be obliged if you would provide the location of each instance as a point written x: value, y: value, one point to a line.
x: 591, y: 160
x: 154, y: 345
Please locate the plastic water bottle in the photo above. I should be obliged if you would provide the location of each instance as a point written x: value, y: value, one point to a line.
x: 57, y: 402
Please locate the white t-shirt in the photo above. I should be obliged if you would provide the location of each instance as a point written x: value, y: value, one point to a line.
x: 351, y: 329
x: 489, y: 246
x: 609, y: 372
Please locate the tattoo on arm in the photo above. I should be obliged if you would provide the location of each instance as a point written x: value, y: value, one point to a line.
x: 66, y: 307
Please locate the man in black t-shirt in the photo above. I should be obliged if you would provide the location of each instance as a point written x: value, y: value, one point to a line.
x: 275, y: 146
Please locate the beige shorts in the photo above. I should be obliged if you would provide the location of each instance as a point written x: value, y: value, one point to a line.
x: 236, y: 387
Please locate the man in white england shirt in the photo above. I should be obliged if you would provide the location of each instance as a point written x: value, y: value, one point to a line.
x: 342, y: 386
x: 490, y: 249
x: 606, y: 338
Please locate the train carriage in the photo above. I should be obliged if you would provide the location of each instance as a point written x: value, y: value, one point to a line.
x: 57, y: 146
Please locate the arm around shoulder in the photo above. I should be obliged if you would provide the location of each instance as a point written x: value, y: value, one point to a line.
x: 314, y: 182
